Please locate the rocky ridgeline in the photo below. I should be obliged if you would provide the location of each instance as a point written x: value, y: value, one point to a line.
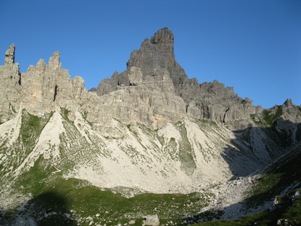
x: 153, y: 90
x: 204, y: 101
x: 147, y: 129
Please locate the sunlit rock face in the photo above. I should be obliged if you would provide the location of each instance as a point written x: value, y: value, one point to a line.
x: 10, y: 55
x: 151, y: 125
x: 153, y: 91
x: 210, y: 101
x: 149, y: 129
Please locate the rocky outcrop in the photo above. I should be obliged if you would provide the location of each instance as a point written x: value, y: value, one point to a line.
x: 153, y: 90
x: 158, y: 52
x: 210, y: 101
x: 40, y: 90
x: 152, y: 220
x: 291, y: 112
x: 10, y: 55
x: 142, y: 129
x: 285, y: 119
x: 10, y: 86
x: 45, y: 88
x: 216, y: 102
x: 150, y: 101
x: 154, y: 54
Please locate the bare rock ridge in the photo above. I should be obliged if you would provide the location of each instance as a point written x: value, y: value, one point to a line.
x: 45, y: 88
x: 156, y: 53
x: 153, y: 90
x: 205, y: 101
x: 147, y: 129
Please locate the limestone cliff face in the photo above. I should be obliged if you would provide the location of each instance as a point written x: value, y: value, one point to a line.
x: 45, y: 88
x: 10, y: 84
x: 153, y: 91
x: 158, y: 52
x: 150, y: 101
x: 149, y: 127
x: 204, y: 101
x: 39, y: 90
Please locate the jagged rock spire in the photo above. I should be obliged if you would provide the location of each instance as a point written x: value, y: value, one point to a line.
x: 54, y: 61
x: 154, y: 53
x: 10, y: 55
x: 288, y: 102
x: 164, y: 35
x: 158, y: 52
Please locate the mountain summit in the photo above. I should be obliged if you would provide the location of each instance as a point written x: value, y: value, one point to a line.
x: 158, y: 52
x: 149, y: 129
x: 205, y: 101
x: 154, y: 54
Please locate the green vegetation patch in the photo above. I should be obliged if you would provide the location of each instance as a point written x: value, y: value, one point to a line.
x: 34, y: 180
x: 267, y: 117
x: 281, y: 174
x: 293, y: 212
x: 288, y: 210
x: 65, y: 113
x: 59, y: 201
x: 171, y: 149
x: 186, y: 153
x: 31, y: 128
x: 84, y: 203
x: 264, y: 190
x: 206, y: 123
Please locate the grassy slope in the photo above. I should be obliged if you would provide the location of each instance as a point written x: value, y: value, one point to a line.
x: 54, y: 199
x: 86, y: 203
x: 288, y: 209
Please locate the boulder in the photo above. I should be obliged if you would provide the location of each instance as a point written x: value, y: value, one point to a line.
x: 151, y: 220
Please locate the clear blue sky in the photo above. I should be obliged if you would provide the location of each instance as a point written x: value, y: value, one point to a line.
x: 253, y: 46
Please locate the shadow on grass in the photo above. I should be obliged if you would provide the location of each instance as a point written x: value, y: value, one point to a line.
x: 48, y: 208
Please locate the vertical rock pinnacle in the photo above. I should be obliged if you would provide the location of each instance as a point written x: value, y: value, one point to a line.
x: 10, y: 55
x: 54, y: 61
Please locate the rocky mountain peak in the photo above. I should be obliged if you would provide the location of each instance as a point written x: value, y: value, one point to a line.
x: 154, y: 53
x: 153, y: 84
x: 54, y: 61
x: 149, y: 129
x: 155, y: 61
x: 288, y: 102
x: 10, y: 55
x: 41, y: 65
x: 164, y: 35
